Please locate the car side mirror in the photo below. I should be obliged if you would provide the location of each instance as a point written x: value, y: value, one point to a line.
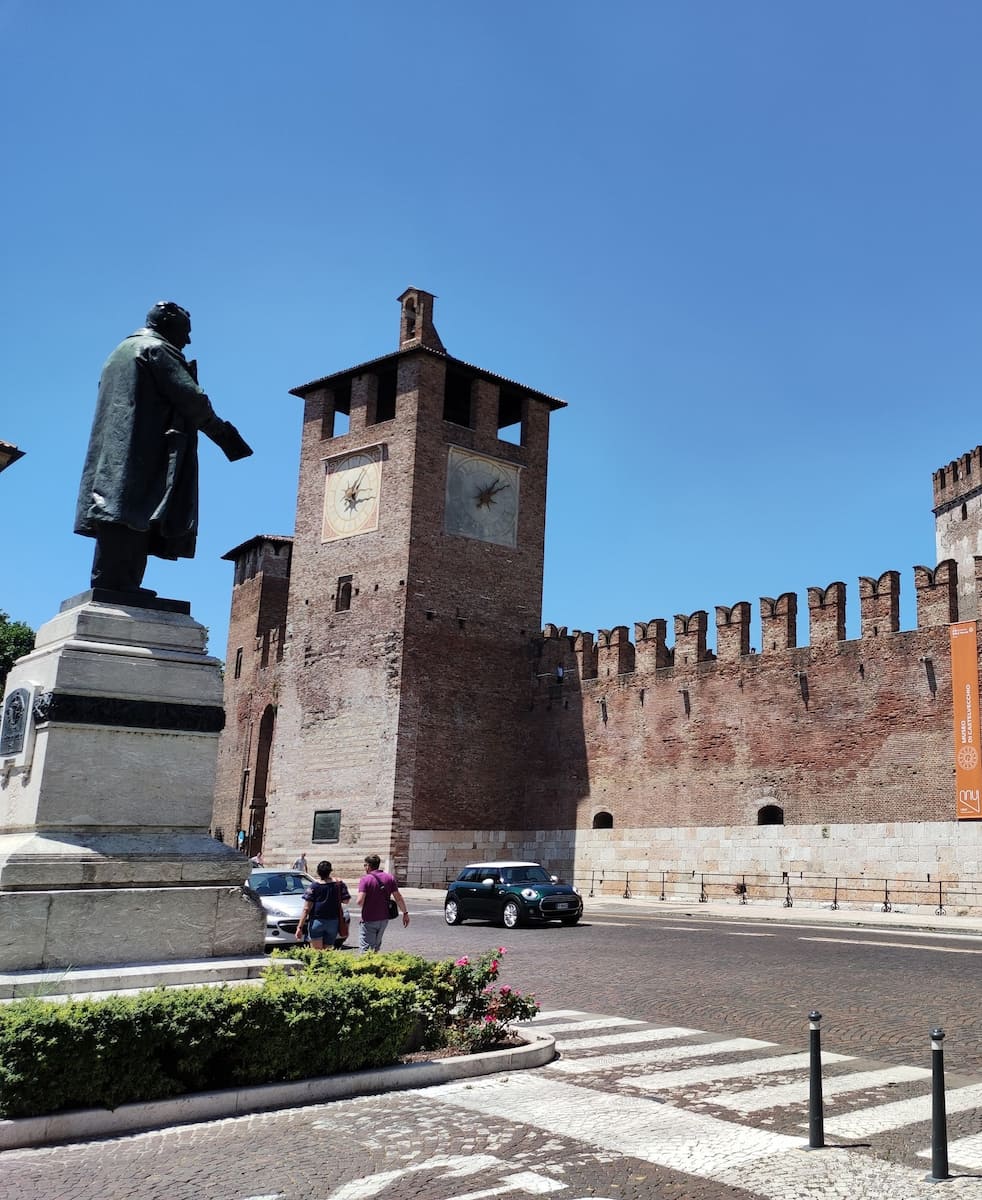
x: 553, y: 878
x: 489, y: 882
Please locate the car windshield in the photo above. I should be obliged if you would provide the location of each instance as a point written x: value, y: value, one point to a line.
x: 279, y: 883
x: 524, y: 875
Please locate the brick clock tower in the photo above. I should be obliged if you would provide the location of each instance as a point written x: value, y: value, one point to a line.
x: 389, y: 693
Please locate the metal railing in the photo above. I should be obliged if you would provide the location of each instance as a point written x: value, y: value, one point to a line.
x: 835, y: 891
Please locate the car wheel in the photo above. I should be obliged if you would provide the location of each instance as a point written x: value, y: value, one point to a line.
x: 511, y: 914
x: 451, y: 913
x: 570, y: 920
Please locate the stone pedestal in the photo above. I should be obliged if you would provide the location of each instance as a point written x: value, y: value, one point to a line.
x: 107, y: 764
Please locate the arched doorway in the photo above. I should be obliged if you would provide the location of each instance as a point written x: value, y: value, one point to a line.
x: 257, y: 809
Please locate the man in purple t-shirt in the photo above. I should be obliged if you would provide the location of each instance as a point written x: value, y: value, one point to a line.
x: 374, y: 890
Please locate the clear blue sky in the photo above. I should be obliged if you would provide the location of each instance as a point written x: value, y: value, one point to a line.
x: 740, y: 239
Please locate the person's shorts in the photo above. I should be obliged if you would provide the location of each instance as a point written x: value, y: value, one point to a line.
x: 323, y: 931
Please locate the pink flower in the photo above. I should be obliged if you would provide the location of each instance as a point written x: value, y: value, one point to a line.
x: 488, y: 1020
x: 462, y: 962
x: 505, y: 989
x: 494, y: 964
x: 501, y: 950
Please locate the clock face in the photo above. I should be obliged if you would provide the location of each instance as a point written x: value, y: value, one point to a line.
x: 482, y: 498
x: 351, y: 494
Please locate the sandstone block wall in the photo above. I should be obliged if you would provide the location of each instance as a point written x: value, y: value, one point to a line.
x: 911, y: 858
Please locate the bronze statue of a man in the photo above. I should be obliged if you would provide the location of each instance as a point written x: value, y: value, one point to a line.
x: 139, y: 489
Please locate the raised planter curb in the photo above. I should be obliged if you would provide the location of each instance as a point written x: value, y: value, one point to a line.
x: 86, y: 1124
x: 79, y: 983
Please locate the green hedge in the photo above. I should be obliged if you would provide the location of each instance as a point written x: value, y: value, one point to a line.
x: 397, y: 964
x: 433, y: 983
x: 58, y: 1055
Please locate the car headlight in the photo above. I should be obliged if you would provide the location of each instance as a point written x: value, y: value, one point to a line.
x: 577, y: 891
x: 277, y: 910
x: 529, y: 894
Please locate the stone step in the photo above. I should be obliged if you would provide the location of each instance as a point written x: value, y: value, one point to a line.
x: 131, y: 977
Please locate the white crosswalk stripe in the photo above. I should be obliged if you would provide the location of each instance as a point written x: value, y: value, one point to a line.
x: 864, y: 1122
x: 652, y: 1132
x: 646, y: 1058
x: 665, y: 1081
x: 964, y: 1152
x: 780, y: 1095
x: 559, y: 1027
x: 562, y: 1014
x: 650, y: 1034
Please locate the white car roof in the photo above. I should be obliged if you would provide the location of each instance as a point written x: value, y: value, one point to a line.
x: 503, y: 863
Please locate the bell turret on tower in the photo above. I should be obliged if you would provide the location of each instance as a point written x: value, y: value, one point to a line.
x: 416, y: 326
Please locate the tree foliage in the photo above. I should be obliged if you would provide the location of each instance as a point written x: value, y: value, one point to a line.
x: 16, y: 639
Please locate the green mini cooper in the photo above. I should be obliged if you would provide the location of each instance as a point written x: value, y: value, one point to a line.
x: 510, y: 893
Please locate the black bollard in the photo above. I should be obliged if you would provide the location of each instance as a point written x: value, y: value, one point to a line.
x: 816, y: 1118
x: 939, y: 1123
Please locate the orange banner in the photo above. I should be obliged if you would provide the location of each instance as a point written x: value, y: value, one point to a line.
x: 965, y: 702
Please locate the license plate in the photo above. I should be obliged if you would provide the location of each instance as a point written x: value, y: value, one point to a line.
x: 562, y: 906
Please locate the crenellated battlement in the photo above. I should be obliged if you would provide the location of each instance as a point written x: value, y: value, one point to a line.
x: 957, y: 480
x: 779, y: 622
x: 827, y: 614
x: 937, y: 594
x: 732, y: 631
x: 879, y: 604
x: 613, y: 652
x: 650, y: 649
x: 690, y: 637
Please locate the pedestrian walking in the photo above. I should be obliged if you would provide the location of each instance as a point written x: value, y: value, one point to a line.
x: 300, y: 863
x: 376, y: 889
x: 321, y: 914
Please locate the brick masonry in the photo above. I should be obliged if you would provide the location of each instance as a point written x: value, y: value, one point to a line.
x: 443, y: 723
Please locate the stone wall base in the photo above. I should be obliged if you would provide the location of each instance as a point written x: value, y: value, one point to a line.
x: 904, y: 861
x: 126, y: 925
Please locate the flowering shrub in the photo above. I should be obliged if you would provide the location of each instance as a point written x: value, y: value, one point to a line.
x: 457, y: 1004
x: 481, y: 1011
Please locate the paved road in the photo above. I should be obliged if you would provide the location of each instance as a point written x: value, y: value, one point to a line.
x: 682, y: 1076
x: 881, y: 988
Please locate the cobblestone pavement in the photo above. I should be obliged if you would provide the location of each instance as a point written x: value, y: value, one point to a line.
x: 691, y: 1085
x: 629, y: 1110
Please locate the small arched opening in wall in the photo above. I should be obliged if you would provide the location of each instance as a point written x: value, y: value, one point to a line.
x: 603, y: 820
x: 770, y: 814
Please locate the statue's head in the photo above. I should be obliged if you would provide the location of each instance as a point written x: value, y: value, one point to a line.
x: 171, y: 322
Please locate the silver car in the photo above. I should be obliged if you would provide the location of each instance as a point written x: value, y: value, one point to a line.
x: 281, y: 895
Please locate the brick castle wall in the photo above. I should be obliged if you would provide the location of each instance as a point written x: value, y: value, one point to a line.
x: 832, y: 732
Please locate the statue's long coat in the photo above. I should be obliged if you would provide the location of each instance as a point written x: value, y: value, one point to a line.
x: 141, y: 469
